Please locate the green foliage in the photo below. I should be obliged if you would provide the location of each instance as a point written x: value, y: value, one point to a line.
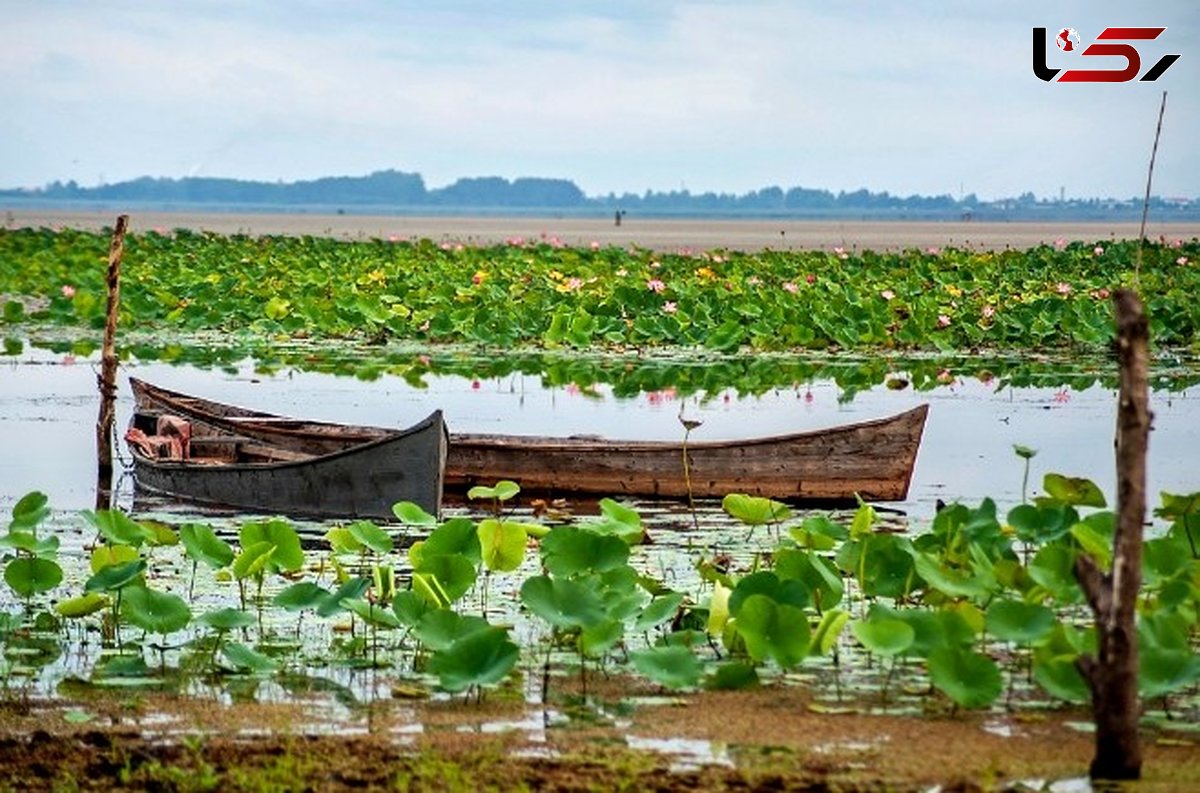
x: 203, y: 545
x: 755, y: 510
x: 153, y: 611
x: 671, y: 666
x: 969, y: 678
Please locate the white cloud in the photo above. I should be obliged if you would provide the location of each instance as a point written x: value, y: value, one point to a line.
x: 914, y: 97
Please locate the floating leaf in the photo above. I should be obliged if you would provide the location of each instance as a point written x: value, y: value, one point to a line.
x: 373, y: 613
x: 244, y: 659
x: 672, y: 666
x: 482, y: 658
x: 568, y: 550
x: 453, y: 574
x: 970, y: 679
x: 411, y: 514
x: 502, y: 545
x: 155, y: 612
x: 825, y: 637
x: 501, y: 491
x: 455, y: 536
x: 351, y: 589
x: 658, y: 611
x: 1020, y: 622
x: 30, y: 510
x: 1075, y: 491
x: 117, y: 527
x: 302, y: 595
x: 755, y: 510
x: 227, y: 619
x: 202, y: 544
x: 772, y: 630
x: 114, y: 577
x: 286, y: 555
x: 371, y: 536
x: 109, y: 555
x: 884, y: 635
x: 438, y: 629
x: 563, y: 603
x: 81, y: 606
x: 733, y: 676
x: 252, y: 560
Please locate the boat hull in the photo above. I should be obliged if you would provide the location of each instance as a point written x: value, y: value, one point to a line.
x: 361, y: 481
x: 871, y: 459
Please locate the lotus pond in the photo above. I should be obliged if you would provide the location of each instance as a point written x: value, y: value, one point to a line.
x: 888, y: 612
x: 561, y: 618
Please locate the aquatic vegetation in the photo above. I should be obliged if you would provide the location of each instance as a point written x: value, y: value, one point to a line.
x: 978, y: 600
x: 538, y: 294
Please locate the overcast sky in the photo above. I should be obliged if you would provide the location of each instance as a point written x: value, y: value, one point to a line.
x: 920, y: 96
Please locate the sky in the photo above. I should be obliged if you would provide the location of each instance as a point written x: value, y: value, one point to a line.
x: 922, y: 96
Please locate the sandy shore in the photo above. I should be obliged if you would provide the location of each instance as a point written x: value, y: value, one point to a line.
x: 655, y: 234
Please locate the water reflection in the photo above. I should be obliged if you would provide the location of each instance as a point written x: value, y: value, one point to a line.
x: 48, y: 407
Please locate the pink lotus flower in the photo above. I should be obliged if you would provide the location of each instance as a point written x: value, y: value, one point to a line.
x: 446, y: 246
x: 808, y: 396
x: 68, y: 360
x: 1101, y: 294
x: 943, y: 321
x: 1063, y: 288
x: 788, y: 286
x: 887, y: 294
x: 1060, y: 243
x: 572, y: 389
x: 1182, y: 260
x: 474, y: 385
x: 988, y: 312
x: 933, y: 250
x: 68, y: 291
x: 718, y: 259
x: 839, y: 250
x: 810, y: 278
x: 655, y: 285
x: 595, y: 245
x: 1176, y: 243
x: 1098, y: 250
x: 425, y: 360
x: 1062, y: 396
x: 573, y: 284
x: 669, y: 307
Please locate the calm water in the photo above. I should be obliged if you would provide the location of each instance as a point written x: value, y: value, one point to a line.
x: 48, y: 408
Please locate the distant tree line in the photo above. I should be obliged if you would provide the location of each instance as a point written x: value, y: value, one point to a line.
x: 398, y: 189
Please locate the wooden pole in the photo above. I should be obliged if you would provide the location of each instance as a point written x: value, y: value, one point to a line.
x: 108, y: 370
x: 1112, y: 674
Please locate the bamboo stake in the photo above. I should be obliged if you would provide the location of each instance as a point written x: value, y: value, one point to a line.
x: 1137, y: 268
x: 107, y: 379
x: 1112, y: 673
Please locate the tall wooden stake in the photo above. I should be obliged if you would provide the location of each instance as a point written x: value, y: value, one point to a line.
x: 108, y: 370
x: 1137, y: 267
x: 1112, y: 674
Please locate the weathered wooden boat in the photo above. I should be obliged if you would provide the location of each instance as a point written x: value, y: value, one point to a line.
x: 873, y: 459
x: 230, y: 469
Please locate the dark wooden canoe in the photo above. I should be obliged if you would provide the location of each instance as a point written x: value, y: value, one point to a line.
x: 360, y: 480
x: 873, y: 459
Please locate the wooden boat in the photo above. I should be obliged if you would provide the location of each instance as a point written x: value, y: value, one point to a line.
x: 231, y: 469
x: 873, y: 459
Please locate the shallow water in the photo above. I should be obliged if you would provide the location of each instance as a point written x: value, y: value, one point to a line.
x: 48, y: 409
